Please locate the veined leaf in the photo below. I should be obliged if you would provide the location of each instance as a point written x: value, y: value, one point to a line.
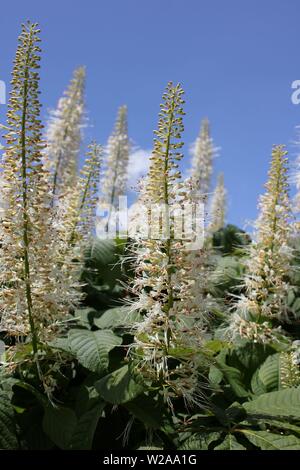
x: 230, y: 443
x: 59, y: 424
x: 285, y: 403
x: 116, y: 318
x: 269, y: 373
x: 92, y: 348
x: 83, y: 434
x: 8, y: 433
x: 200, y: 441
x: 269, y: 441
x: 234, y: 378
x: 118, y: 387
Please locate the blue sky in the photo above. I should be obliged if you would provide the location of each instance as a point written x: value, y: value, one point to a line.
x: 235, y: 59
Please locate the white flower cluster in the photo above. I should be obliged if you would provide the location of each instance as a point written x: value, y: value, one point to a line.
x: 168, y: 342
x: 203, y: 152
x: 114, y: 179
x: 32, y: 297
x: 268, y: 264
x: 40, y: 241
x: 64, y: 136
x: 218, y: 206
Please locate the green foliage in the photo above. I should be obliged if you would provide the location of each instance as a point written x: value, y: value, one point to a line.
x: 248, y: 405
x: 8, y: 431
x: 266, y: 440
x: 59, y: 424
x: 103, y: 273
x: 119, y: 386
x: 91, y: 348
x: 282, y: 403
x: 230, y: 239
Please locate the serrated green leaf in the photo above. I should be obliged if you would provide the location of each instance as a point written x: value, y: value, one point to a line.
x: 92, y: 348
x: 256, y: 384
x: 230, y: 443
x: 84, y: 316
x: 59, y: 424
x: 285, y: 403
x: 83, y: 434
x: 61, y: 343
x: 118, y: 387
x: 200, y: 441
x: 147, y: 410
x: 8, y: 432
x: 269, y: 373
x: 150, y: 448
x: 269, y: 441
x: 215, y: 375
x: 234, y: 378
x: 116, y: 318
x: 283, y: 425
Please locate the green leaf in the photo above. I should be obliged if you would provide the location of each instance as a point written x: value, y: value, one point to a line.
x: 87, y: 396
x: 269, y: 441
x: 116, y: 318
x: 84, y: 316
x: 83, y: 434
x: 215, y: 375
x: 92, y: 348
x: 150, y: 448
x: 42, y: 399
x: 33, y: 436
x: 200, y: 441
x: 215, y: 345
x: 230, y: 443
x: 61, y: 343
x: 248, y: 358
x: 229, y: 238
x: 103, y: 251
x: 256, y: 384
x: 285, y: 403
x: 103, y: 256
x: 147, y: 410
x: 59, y: 424
x: 118, y: 387
x: 269, y: 373
x: 8, y: 433
x: 234, y: 378
x: 281, y: 425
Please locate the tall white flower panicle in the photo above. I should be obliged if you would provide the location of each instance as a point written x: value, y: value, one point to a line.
x: 64, y: 135
x: 75, y: 221
x: 268, y: 266
x: 203, y: 153
x: 78, y: 210
x: 218, y: 206
x: 114, y: 179
x: 167, y: 341
x: 31, y: 299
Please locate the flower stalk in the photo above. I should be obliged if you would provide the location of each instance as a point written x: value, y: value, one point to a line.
x: 268, y: 265
x: 168, y: 340
x: 114, y: 180
x: 64, y: 135
x: 25, y: 192
x: 203, y: 153
x: 218, y: 206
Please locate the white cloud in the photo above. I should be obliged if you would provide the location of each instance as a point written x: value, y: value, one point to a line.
x: 138, y: 166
